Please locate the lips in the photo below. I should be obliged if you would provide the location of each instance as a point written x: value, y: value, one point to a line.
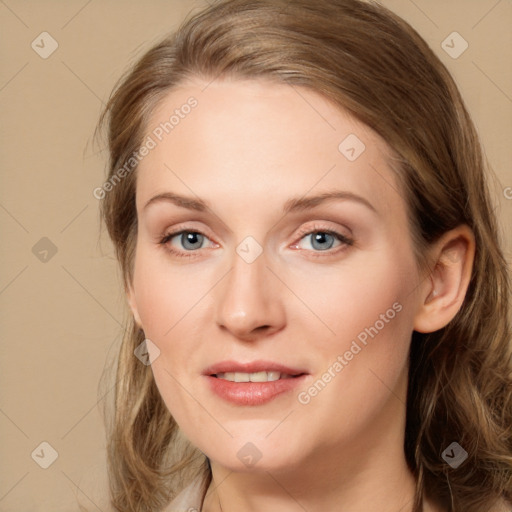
x: 254, y: 383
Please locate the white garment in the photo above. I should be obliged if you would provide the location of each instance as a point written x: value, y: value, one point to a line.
x: 188, y: 500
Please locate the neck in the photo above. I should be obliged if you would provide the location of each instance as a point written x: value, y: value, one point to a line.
x: 277, y: 492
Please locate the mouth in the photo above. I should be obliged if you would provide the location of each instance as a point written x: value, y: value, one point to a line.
x: 254, y: 383
x: 254, y: 371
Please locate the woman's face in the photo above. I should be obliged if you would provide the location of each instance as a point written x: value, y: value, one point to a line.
x: 244, y: 267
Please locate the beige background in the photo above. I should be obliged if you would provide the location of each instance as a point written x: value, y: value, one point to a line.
x: 61, y: 318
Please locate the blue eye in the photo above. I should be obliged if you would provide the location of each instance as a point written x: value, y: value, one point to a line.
x: 194, y: 239
x: 190, y: 242
x: 323, y: 240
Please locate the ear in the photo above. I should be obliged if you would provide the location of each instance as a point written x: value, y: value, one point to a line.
x: 443, y: 291
x: 130, y: 295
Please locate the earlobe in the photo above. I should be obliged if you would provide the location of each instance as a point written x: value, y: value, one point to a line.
x: 445, y: 287
x: 133, y: 306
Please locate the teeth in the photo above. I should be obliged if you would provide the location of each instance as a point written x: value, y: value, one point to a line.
x: 253, y: 377
x: 273, y: 376
x: 258, y: 377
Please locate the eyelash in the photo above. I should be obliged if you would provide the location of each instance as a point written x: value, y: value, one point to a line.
x: 316, y: 229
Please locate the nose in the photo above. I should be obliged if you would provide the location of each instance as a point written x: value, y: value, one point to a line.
x: 249, y: 300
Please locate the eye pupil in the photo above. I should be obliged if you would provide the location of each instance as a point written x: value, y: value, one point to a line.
x: 320, y: 237
x: 193, y: 238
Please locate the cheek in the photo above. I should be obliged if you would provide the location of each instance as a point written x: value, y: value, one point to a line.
x: 361, y: 295
x: 168, y: 300
x: 367, y: 308
x: 172, y: 302
x: 165, y: 294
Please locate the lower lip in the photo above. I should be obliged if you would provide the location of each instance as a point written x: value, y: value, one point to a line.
x: 252, y: 393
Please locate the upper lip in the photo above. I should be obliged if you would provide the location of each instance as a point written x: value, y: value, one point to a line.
x: 251, y: 367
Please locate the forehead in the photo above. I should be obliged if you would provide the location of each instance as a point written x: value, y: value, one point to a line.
x: 259, y: 140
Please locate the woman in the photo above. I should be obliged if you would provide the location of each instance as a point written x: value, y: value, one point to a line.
x: 262, y: 371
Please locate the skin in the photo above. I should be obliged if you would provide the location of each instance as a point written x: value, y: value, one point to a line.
x: 246, y: 149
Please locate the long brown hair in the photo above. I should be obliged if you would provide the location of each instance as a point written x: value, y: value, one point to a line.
x: 372, y: 64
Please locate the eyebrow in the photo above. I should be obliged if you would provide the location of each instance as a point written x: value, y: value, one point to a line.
x: 292, y: 205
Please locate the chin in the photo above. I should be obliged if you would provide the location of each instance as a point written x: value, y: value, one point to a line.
x: 257, y: 454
